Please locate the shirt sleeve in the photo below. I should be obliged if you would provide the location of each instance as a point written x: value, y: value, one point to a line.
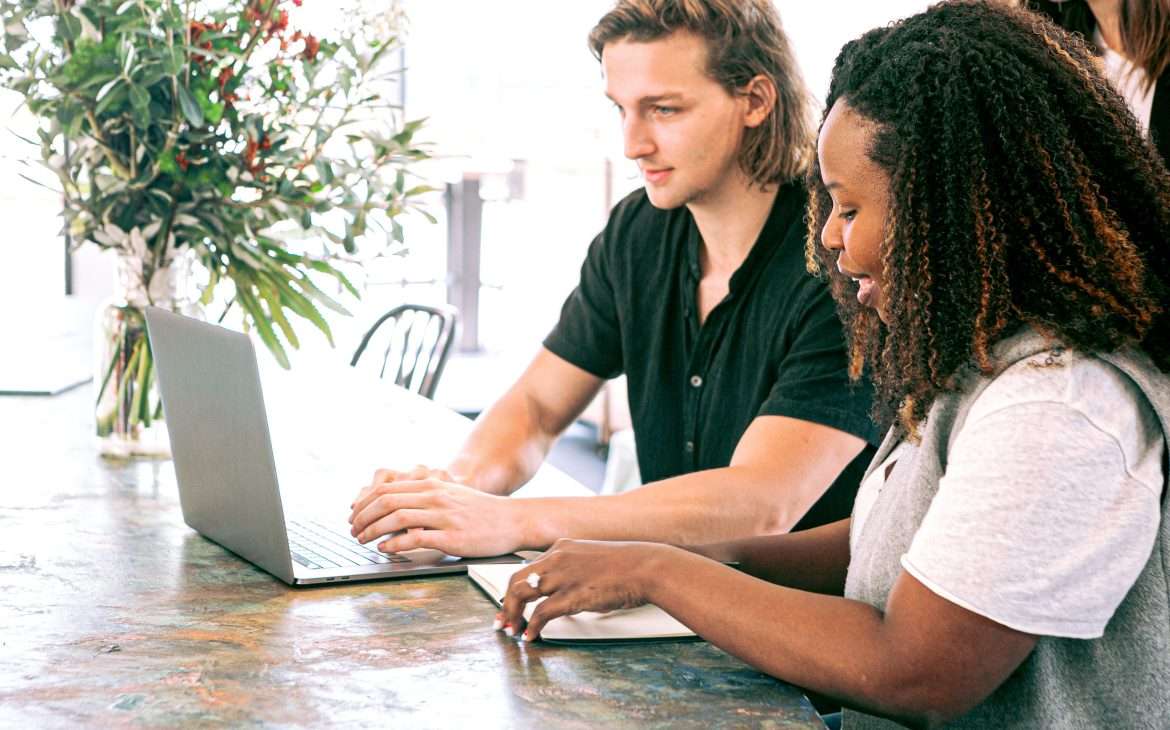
x: 588, y: 333
x: 1037, y: 523
x: 812, y: 380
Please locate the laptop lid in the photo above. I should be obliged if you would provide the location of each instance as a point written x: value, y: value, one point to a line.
x: 224, y: 463
x: 215, y: 417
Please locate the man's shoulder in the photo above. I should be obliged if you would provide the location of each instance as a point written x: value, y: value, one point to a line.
x: 639, y: 236
x: 792, y: 203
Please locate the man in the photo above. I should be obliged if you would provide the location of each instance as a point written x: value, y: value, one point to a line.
x: 696, y: 289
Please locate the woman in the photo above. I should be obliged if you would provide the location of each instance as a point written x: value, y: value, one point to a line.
x: 1132, y: 39
x: 995, y: 226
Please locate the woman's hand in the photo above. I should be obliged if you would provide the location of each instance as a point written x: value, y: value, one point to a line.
x: 580, y: 575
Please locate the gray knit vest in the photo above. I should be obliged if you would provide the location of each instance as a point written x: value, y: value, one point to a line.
x: 1121, y: 680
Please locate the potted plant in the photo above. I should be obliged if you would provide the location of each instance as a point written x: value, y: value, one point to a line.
x: 214, y: 140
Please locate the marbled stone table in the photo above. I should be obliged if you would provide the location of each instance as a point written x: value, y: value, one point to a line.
x: 113, y: 613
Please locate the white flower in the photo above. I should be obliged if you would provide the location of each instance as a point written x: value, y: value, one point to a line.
x: 110, y: 235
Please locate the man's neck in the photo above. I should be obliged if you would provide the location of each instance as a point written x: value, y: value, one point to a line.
x: 729, y: 222
x: 1107, y: 13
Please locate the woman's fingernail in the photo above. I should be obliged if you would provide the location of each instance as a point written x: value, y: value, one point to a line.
x: 508, y: 631
x: 497, y: 625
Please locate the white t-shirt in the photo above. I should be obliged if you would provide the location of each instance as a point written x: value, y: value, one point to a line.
x: 1130, y: 82
x: 1050, y: 503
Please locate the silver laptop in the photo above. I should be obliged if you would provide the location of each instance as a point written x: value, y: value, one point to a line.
x: 226, y: 471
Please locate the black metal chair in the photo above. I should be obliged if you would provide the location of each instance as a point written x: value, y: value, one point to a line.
x: 418, y: 340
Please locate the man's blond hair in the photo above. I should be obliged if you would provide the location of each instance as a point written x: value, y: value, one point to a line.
x: 744, y: 39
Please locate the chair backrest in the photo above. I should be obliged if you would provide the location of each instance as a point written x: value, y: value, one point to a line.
x: 417, y: 342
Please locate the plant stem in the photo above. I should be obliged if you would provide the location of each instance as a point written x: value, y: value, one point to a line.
x: 109, y: 372
x: 139, y: 383
x: 111, y: 154
x: 255, y: 39
x: 164, y: 232
x: 120, y: 424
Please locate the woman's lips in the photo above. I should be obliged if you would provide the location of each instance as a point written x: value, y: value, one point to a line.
x: 866, y: 291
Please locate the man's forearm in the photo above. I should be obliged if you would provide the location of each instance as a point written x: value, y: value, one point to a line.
x: 703, y: 507
x: 505, y: 448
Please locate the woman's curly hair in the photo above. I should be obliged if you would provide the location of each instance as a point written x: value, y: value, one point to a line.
x: 1022, y: 193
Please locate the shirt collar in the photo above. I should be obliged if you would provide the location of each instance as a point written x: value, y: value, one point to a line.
x: 768, y: 241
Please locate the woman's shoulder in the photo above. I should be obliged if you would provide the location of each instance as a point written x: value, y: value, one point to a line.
x: 1060, y: 375
x: 1062, y: 384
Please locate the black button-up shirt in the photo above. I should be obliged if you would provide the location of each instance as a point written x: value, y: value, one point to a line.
x: 772, y: 347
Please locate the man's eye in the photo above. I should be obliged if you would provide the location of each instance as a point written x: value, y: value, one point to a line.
x: 665, y: 110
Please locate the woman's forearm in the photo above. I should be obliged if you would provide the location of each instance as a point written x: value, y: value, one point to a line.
x: 811, y: 560
x: 828, y: 644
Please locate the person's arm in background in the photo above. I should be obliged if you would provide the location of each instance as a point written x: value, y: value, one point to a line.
x: 789, y: 455
x: 510, y: 440
x: 812, y: 560
x: 779, y: 470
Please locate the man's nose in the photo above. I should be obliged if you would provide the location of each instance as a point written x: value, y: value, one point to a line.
x: 636, y: 138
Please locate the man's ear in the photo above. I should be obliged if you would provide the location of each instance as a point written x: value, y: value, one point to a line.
x: 760, y: 96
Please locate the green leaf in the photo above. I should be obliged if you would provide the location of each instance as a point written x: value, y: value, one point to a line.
x: 117, y: 97
x: 190, y: 107
x: 151, y: 74
x: 276, y: 309
x: 310, y: 289
x: 7, y: 62
x: 324, y: 170
x: 141, y: 115
x: 105, y: 90
x: 209, y: 290
x: 301, y: 305
x: 325, y: 268
x: 167, y: 164
x: 172, y: 61
x: 68, y: 27
x: 139, y: 97
x: 260, y: 319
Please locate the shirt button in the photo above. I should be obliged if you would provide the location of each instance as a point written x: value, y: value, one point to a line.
x: 690, y: 447
x: 696, y: 381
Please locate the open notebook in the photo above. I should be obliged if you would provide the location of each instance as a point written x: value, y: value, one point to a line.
x: 633, y: 624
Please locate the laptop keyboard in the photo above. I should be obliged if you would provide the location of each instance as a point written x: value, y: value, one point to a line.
x: 315, y: 545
